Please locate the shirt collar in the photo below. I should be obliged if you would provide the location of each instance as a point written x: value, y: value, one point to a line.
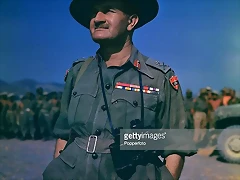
x: 136, y: 59
x: 143, y: 67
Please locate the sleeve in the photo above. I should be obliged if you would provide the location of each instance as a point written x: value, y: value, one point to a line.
x: 61, y: 129
x: 210, y: 107
x: 172, y: 115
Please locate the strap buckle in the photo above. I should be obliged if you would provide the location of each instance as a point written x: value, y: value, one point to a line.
x: 92, y: 142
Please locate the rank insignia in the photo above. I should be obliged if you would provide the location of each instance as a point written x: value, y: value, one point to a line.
x: 136, y: 88
x: 137, y: 64
x: 174, y: 82
x: 66, y: 74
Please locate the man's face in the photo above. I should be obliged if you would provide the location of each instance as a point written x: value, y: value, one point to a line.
x: 189, y: 95
x: 233, y: 93
x: 214, y: 96
x: 108, y: 22
x: 209, y: 94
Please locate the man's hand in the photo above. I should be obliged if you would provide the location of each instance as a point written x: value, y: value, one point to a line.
x: 175, y: 164
x: 60, y: 144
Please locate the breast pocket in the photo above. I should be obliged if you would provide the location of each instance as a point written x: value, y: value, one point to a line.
x: 82, y: 100
x: 126, y: 106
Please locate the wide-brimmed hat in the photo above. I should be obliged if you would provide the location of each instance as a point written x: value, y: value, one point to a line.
x: 214, y: 92
x: 81, y: 10
x: 203, y: 91
x: 226, y: 90
x: 208, y: 88
x: 188, y: 91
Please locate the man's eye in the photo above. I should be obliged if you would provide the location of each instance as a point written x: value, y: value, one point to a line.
x: 108, y: 10
x: 105, y: 11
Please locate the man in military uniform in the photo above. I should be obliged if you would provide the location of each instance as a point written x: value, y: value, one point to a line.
x: 11, y: 116
x: 209, y: 92
x: 3, y: 99
x: 234, y: 99
x: 6, y: 105
x: 226, y: 96
x: 215, y: 103
x: 119, y: 85
x: 54, y: 111
x: 44, y: 118
x: 189, y: 108
x: 26, y: 118
x: 201, y: 108
x: 37, y: 108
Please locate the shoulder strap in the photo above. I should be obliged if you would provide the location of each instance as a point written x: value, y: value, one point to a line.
x: 83, y: 69
x: 158, y: 65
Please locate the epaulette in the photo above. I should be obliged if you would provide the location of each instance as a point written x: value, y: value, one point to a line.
x: 78, y: 61
x: 158, y: 65
x: 81, y: 60
x: 73, y: 64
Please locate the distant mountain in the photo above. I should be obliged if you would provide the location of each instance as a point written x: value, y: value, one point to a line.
x: 28, y: 85
x: 3, y: 83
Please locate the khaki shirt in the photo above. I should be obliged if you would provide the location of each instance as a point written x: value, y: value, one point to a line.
x: 82, y: 108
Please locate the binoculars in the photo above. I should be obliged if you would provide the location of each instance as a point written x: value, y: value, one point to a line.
x: 126, y: 161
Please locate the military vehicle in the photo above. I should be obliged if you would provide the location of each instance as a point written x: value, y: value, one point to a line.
x: 227, y: 130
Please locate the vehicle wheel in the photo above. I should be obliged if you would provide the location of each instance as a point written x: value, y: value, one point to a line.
x: 229, y: 144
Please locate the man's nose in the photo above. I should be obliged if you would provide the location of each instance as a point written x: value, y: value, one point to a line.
x: 99, y: 18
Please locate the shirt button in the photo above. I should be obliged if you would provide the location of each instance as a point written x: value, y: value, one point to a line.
x: 98, y: 132
x: 103, y: 107
x: 94, y: 156
x: 74, y: 93
x: 107, y: 86
x: 135, y: 103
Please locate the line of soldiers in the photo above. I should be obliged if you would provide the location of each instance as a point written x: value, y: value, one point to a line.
x: 30, y: 116
x: 200, y: 110
x: 33, y: 116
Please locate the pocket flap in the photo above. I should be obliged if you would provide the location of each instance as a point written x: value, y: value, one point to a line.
x: 70, y: 155
x: 132, y: 97
x: 88, y: 89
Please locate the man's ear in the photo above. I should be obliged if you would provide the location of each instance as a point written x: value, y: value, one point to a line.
x: 133, y: 20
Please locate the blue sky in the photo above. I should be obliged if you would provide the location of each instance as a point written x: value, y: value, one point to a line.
x: 199, y: 39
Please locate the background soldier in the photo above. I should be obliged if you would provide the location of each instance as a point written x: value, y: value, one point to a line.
x: 11, y: 116
x: 54, y: 111
x: 215, y: 103
x: 209, y: 92
x: 200, y: 116
x: 38, y: 103
x: 1, y: 118
x: 189, y: 105
x: 234, y: 99
x: 226, y: 96
x: 44, y: 117
x: 6, y: 106
x: 26, y: 119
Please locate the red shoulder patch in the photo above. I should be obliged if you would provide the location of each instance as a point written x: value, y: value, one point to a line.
x: 174, y: 82
x: 66, y: 74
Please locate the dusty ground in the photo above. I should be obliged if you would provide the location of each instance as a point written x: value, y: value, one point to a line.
x: 27, y: 159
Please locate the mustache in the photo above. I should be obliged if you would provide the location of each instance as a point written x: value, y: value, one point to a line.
x: 101, y: 25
